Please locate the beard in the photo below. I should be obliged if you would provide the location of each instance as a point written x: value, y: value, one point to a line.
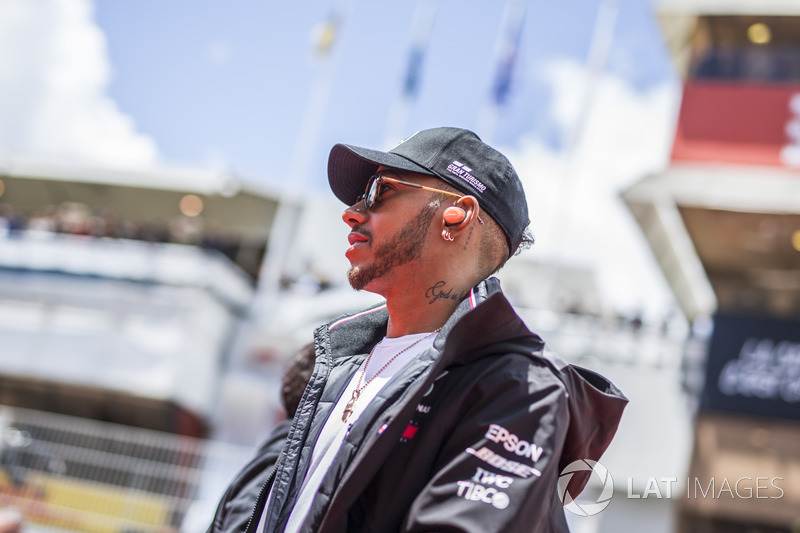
x: 405, y: 246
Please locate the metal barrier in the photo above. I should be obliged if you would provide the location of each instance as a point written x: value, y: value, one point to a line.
x: 82, y: 475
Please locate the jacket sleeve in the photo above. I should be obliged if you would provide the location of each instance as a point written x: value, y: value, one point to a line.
x: 236, y: 505
x: 498, y: 469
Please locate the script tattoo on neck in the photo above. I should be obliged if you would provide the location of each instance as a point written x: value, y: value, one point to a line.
x: 437, y: 292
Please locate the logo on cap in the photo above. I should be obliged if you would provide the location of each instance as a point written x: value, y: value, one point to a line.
x: 463, y: 171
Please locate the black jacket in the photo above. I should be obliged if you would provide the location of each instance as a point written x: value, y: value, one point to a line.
x: 236, y: 505
x: 470, y: 436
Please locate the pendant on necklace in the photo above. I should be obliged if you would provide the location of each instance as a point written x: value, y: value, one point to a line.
x: 348, y: 409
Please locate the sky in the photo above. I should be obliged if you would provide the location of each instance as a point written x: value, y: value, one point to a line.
x: 237, y: 85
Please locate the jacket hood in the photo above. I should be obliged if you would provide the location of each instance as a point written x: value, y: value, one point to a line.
x: 595, y: 409
x: 595, y: 404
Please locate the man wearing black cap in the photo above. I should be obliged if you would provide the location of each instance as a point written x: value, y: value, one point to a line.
x: 437, y: 410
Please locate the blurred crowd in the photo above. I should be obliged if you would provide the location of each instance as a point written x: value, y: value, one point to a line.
x: 748, y: 63
x: 74, y: 218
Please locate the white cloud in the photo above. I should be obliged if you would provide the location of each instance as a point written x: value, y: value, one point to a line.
x: 54, y: 72
x: 577, y: 215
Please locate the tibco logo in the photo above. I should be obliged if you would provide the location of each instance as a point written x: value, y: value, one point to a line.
x: 585, y: 509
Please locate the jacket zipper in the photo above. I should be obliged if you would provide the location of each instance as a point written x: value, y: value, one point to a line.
x: 374, y: 428
x: 260, y: 502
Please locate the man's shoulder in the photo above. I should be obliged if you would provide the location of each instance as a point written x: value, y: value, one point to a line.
x: 517, y: 365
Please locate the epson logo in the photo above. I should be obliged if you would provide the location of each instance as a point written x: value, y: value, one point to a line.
x: 513, y: 443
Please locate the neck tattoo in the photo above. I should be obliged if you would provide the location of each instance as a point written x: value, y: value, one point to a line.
x: 348, y: 410
x: 437, y: 292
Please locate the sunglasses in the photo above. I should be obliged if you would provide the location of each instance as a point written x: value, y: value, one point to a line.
x: 375, y: 189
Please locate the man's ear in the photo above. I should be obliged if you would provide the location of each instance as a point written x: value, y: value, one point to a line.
x: 461, y: 215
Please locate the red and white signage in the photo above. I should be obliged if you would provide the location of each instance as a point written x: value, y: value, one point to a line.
x: 739, y: 123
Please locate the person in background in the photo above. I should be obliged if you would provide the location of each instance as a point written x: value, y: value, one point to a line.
x: 235, y: 507
x: 11, y: 520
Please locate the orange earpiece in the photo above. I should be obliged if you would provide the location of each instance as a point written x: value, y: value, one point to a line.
x: 454, y: 215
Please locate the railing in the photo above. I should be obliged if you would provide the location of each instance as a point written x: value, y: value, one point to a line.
x: 82, y: 475
x: 577, y: 338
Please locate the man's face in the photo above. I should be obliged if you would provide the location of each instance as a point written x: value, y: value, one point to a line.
x: 392, y: 233
x: 405, y: 246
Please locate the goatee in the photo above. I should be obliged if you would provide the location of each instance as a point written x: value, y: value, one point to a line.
x: 405, y: 246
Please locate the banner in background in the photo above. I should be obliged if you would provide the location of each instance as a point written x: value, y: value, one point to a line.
x: 753, y: 367
x: 739, y: 123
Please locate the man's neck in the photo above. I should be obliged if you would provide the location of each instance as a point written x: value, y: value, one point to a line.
x: 419, y: 313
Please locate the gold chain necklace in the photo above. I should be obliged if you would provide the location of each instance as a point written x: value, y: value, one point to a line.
x: 348, y: 409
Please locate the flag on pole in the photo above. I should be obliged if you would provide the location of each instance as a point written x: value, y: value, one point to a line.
x: 509, y: 47
x: 413, y: 73
x: 420, y: 36
x: 421, y: 27
x: 324, y: 34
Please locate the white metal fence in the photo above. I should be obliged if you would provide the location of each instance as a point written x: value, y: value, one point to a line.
x: 82, y: 475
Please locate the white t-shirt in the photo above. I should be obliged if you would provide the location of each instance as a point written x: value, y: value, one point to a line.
x: 335, y: 430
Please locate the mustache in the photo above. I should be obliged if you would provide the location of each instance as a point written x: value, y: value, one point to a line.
x: 361, y: 231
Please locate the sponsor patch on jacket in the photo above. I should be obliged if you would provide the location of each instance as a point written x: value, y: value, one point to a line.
x: 484, y: 477
x: 478, y: 493
x: 513, y: 443
x: 409, y: 432
x: 506, y: 465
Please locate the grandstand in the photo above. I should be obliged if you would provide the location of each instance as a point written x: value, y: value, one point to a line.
x: 122, y: 299
x: 723, y: 221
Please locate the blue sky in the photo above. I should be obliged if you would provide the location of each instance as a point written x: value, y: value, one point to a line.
x: 229, y: 82
x: 235, y: 85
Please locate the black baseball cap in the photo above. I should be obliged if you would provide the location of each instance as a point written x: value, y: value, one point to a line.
x: 455, y: 156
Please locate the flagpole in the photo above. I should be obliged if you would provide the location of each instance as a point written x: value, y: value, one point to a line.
x: 599, y: 50
x: 505, y: 54
x: 594, y: 67
x: 290, y: 206
x: 421, y: 28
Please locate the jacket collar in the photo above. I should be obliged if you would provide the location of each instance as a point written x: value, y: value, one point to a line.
x: 484, y: 319
x: 482, y: 322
